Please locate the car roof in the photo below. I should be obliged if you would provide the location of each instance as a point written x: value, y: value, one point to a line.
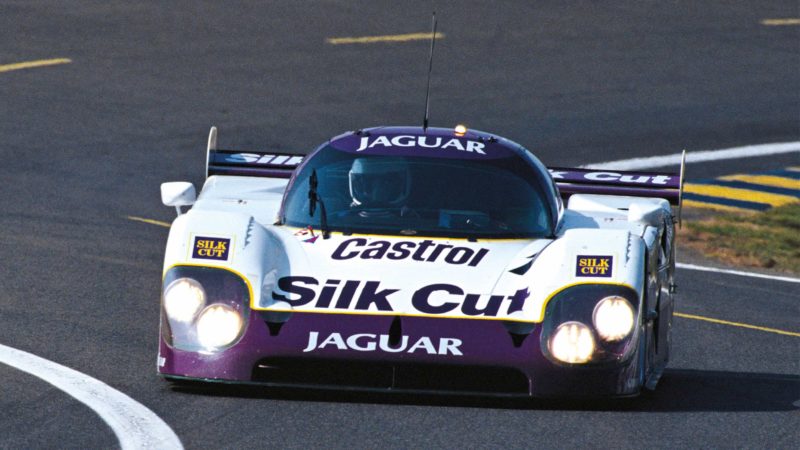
x: 431, y: 142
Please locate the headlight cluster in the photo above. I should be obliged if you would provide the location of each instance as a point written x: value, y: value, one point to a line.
x: 579, y: 329
x: 202, y: 320
x: 218, y: 326
x: 572, y: 343
x: 183, y: 299
x: 613, y: 318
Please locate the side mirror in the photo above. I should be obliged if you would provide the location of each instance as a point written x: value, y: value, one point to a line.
x: 646, y: 213
x: 177, y: 194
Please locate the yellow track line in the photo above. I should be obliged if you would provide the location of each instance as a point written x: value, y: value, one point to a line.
x: 739, y: 194
x: 767, y: 180
x: 388, y: 38
x: 150, y: 221
x: 737, y: 324
x: 780, y: 22
x: 32, y: 64
x: 716, y: 207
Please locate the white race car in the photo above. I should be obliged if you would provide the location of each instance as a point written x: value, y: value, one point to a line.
x: 411, y: 259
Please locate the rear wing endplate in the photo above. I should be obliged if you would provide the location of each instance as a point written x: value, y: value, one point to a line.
x: 668, y: 186
x: 248, y: 162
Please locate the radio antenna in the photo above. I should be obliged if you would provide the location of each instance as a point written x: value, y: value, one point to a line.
x: 430, y: 69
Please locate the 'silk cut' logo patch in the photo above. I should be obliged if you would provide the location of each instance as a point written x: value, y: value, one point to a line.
x: 217, y: 249
x: 594, y: 266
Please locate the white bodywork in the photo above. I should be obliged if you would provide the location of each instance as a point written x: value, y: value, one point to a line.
x: 244, y: 210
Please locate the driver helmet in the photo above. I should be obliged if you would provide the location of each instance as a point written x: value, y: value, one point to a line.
x: 379, y: 182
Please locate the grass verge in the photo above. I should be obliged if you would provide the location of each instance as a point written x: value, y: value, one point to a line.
x: 769, y: 240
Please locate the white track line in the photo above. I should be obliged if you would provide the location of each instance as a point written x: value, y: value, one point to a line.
x: 136, y: 427
x: 736, y: 272
x: 651, y: 162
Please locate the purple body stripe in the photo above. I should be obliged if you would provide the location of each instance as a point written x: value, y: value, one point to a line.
x: 485, y: 343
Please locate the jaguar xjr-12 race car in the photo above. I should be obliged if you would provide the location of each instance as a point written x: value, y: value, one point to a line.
x: 419, y: 260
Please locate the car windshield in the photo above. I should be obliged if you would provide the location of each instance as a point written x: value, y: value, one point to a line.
x: 418, y: 196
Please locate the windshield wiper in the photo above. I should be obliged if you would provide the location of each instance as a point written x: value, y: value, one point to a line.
x: 313, y: 199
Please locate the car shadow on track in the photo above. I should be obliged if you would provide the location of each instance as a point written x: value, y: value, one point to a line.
x: 679, y: 390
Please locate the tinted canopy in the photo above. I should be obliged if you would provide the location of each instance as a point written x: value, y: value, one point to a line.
x: 422, y: 191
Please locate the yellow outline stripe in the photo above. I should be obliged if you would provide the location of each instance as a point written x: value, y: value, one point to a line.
x: 32, y: 64
x: 739, y: 194
x: 387, y: 38
x: 441, y: 316
x: 737, y: 324
x: 767, y: 180
x: 780, y: 22
x: 580, y: 283
x: 206, y: 266
x: 150, y: 221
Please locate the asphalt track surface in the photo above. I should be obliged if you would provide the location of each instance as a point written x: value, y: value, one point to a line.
x: 84, y: 145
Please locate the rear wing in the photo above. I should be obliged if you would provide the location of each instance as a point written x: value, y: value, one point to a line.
x: 248, y: 162
x: 570, y: 181
x: 668, y: 186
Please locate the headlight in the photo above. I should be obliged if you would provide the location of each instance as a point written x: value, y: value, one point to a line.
x: 613, y: 318
x: 572, y: 343
x: 183, y: 299
x: 218, y: 326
